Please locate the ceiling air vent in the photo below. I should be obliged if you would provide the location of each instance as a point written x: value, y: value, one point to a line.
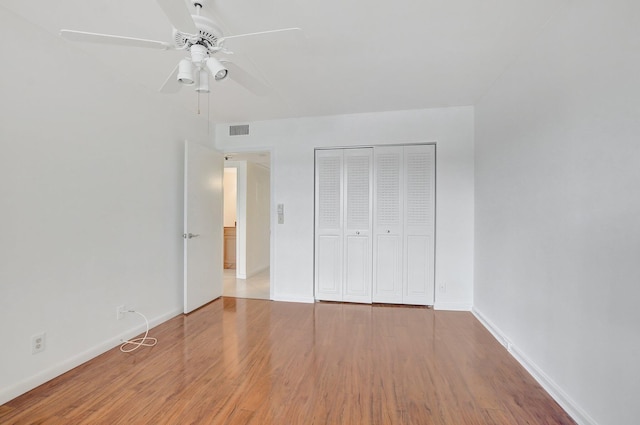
x: 238, y: 130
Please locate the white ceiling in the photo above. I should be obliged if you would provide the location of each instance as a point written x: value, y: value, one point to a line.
x: 353, y: 55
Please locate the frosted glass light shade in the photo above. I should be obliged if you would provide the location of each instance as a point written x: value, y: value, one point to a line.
x: 185, y: 72
x: 203, y: 81
x: 217, y: 69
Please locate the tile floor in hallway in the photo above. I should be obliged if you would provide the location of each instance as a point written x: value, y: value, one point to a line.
x: 256, y: 286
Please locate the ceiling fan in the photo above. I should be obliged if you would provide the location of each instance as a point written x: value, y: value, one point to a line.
x: 196, y: 34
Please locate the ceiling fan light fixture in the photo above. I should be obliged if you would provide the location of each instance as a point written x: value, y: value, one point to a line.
x: 198, y: 53
x: 185, y: 72
x: 217, y: 69
x: 203, y: 81
x: 200, y: 35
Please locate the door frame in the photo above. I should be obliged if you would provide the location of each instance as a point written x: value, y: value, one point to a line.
x: 272, y: 216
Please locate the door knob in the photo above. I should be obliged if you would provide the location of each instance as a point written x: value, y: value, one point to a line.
x: 190, y: 235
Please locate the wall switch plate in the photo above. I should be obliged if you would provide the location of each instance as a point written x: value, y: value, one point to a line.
x: 38, y: 343
x: 280, y: 213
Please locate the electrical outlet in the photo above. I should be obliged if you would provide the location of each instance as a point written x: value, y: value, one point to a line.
x: 38, y: 343
x: 120, y: 312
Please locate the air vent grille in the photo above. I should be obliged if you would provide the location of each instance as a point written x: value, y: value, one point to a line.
x: 239, y: 130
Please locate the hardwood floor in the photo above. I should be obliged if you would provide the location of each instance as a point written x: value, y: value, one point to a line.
x: 244, y: 361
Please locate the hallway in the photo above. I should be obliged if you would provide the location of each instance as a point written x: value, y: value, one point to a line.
x: 256, y: 286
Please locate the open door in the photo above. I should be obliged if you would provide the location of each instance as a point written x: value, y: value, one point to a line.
x: 203, y: 217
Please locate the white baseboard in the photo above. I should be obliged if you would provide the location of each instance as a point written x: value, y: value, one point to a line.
x: 294, y: 299
x: 8, y: 394
x: 562, y: 398
x: 452, y: 306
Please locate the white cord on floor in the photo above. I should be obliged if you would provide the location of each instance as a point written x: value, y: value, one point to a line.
x: 138, y: 342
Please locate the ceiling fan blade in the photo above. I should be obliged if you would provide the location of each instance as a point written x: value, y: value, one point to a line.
x: 246, y: 80
x: 179, y: 15
x: 251, y: 34
x: 92, y: 37
x: 171, y: 84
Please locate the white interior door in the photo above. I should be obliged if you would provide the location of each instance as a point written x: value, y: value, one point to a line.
x: 203, y: 225
x: 358, y: 174
x: 419, y: 216
x: 328, y: 223
x: 388, y: 225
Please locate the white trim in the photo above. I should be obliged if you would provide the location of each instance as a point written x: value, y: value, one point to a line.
x: 491, y: 328
x: 273, y: 222
x: 294, y: 299
x: 562, y: 398
x: 8, y: 394
x: 452, y: 306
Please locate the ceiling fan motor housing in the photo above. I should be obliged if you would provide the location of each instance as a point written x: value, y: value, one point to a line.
x: 208, y: 34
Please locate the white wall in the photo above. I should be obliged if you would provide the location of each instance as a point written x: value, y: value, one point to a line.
x: 230, y: 196
x: 258, y: 218
x: 241, y: 216
x: 252, y: 230
x: 292, y: 144
x: 91, y: 172
x: 558, y: 209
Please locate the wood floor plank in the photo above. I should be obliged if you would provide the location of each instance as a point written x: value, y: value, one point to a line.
x: 259, y: 362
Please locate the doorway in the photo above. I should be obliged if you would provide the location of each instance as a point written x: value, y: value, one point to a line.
x: 247, y: 225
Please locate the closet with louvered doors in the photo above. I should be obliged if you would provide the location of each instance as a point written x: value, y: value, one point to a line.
x: 404, y: 225
x: 374, y: 224
x: 343, y: 224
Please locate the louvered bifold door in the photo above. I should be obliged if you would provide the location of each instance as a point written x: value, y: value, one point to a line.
x: 419, y: 221
x: 358, y: 173
x: 329, y: 234
x: 388, y: 228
